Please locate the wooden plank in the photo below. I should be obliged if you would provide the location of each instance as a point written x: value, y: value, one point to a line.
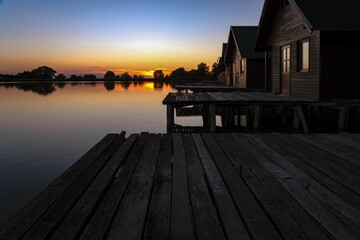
x: 256, y: 221
x: 233, y: 225
x: 58, y: 211
x: 289, y: 218
x: 205, y: 217
x: 130, y: 218
x: 325, y: 162
x: 350, y: 156
x: 256, y: 117
x: 182, y: 226
x: 99, y: 224
x: 340, y: 208
x: 332, y: 225
x: 296, y: 157
x: 344, y: 139
x: 31, y: 212
x: 72, y: 226
x: 158, y: 219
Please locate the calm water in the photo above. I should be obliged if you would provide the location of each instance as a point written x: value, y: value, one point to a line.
x: 44, y: 128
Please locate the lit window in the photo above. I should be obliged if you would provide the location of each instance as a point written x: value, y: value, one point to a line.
x: 242, y: 66
x: 304, y: 56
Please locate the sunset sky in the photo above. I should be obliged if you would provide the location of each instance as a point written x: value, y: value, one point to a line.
x: 138, y: 36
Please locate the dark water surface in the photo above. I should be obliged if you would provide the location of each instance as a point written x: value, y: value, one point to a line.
x: 44, y: 128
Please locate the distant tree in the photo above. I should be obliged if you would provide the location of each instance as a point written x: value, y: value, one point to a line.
x: 74, y: 77
x: 158, y: 74
x: 25, y: 75
x: 215, y: 68
x: 44, y: 72
x: 135, y: 77
x: 109, y: 75
x: 89, y: 76
x: 125, y: 76
x: 203, y: 69
x: 140, y: 77
x: 60, y: 76
x: 179, y: 73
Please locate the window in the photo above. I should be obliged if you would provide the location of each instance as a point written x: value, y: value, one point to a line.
x: 304, y: 52
x: 285, y: 56
x: 242, y: 67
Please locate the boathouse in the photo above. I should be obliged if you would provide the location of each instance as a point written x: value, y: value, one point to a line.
x: 312, y: 48
x: 222, y: 76
x: 246, y: 67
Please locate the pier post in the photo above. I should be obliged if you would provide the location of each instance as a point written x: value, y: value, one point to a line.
x: 256, y: 117
x: 212, y: 117
x: 170, y: 118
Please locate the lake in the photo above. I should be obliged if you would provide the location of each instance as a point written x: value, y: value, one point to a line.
x: 46, y: 127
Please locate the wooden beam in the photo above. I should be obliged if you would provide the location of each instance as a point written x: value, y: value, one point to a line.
x: 212, y: 118
x: 302, y: 119
x: 256, y: 117
x: 170, y: 118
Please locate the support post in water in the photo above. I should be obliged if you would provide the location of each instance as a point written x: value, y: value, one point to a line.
x: 170, y: 118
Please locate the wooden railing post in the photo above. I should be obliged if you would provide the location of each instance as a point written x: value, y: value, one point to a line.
x: 170, y: 118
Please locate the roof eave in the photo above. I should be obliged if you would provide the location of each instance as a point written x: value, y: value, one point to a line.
x: 307, y: 23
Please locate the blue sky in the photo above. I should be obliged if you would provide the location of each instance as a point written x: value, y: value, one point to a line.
x: 138, y: 35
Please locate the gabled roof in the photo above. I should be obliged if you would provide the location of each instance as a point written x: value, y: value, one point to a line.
x: 243, y: 39
x: 329, y: 15
x: 321, y: 15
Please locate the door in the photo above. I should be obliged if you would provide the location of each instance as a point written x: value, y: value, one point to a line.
x: 285, y: 70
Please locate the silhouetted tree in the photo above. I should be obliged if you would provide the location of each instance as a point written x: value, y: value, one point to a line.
x: 125, y: 76
x: 74, y: 77
x: 109, y: 75
x: 135, y: 77
x: 44, y: 72
x: 25, y: 75
x: 89, y: 76
x: 158, y: 74
x: 179, y: 73
x: 203, y: 69
x: 60, y: 76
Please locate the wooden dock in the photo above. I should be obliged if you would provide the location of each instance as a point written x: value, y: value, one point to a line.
x: 211, y: 88
x: 252, y: 103
x: 210, y: 186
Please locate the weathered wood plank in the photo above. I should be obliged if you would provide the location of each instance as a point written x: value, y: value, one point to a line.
x: 182, y: 226
x: 256, y: 221
x: 323, y: 217
x: 233, y: 225
x: 336, y: 205
x: 129, y: 221
x: 290, y: 219
x: 71, y: 227
x: 99, y: 224
x: 31, y: 212
x: 296, y: 157
x: 205, y: 216
x: 158, y: 219
x: 334, y: 168
x: 58, y: 211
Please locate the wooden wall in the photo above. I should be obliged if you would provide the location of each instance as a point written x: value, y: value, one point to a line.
x: 340, y: 54
x: 235, y: 67
x: 287, y: 29
x: 255, y: 72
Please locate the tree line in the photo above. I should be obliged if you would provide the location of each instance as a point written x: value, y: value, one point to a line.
x: 47, y: 73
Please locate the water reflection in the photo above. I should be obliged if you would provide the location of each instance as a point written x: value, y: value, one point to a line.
x: 47, y: 88
x: 42, y: 136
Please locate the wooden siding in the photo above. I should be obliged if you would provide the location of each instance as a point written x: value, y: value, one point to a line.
x: 306, y: 84
x: 243, y: 81
x: 288, y: 28
x: 235, y: 67
x: 255, y: 71
x: 340, y: 65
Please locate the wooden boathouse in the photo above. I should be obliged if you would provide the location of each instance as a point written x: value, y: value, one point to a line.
x: 246, y: 66
x: 192, y: 186
x: 312, y: 48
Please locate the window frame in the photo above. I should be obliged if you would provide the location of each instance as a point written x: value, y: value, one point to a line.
x: 301, y: 55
